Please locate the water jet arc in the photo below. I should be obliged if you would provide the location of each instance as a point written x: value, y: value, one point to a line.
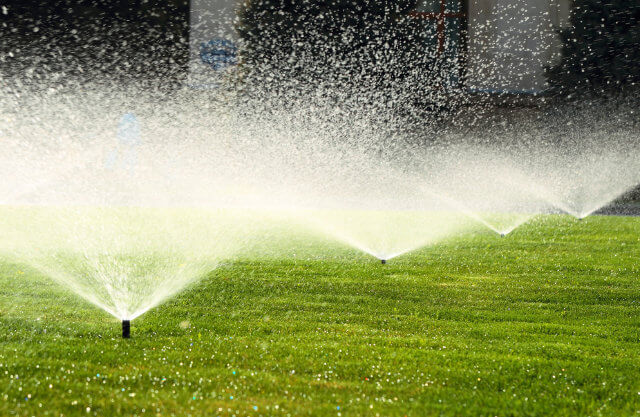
x: 126, y: 329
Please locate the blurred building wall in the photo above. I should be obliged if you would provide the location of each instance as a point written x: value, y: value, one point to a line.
x: 509, y: 41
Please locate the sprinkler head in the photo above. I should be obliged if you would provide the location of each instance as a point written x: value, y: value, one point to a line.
x: 126, y: 329
x: 383, y: 261
x: 502, y: 234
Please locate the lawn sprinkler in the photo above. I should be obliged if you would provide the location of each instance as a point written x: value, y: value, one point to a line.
x: 503, y: 234
x: 126, y: 329
x: 383, y: 261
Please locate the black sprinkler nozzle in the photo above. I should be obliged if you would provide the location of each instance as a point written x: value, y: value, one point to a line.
x: 126, y: 329
x: 383, y: 261
x: 502, y: 235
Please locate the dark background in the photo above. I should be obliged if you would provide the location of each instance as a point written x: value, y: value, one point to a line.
x: 117, y: 38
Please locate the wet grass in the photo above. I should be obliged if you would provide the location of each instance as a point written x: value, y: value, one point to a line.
x: 543, y: 322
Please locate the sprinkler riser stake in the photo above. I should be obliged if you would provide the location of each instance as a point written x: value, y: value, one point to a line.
x: 126, y: 329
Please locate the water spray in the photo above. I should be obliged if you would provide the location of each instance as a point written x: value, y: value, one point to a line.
x: 126, y: 329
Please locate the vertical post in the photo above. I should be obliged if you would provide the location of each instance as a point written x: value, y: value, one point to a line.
x: 441, y: 26
x: 126, y: 329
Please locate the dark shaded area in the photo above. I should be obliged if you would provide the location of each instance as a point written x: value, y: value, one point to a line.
x: 600, y: 50
x: 116, y: 39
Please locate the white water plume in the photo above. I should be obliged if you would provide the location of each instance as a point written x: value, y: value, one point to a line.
x: 387, y: 234
x: 585, y: 183
x: 128, y: 223
x: 124, y: 260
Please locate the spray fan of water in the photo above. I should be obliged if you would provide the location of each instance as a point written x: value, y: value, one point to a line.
x: 124, y: 260
x: 127, y: 199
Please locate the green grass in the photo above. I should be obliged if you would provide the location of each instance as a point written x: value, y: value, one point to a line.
x: 543, y: 322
